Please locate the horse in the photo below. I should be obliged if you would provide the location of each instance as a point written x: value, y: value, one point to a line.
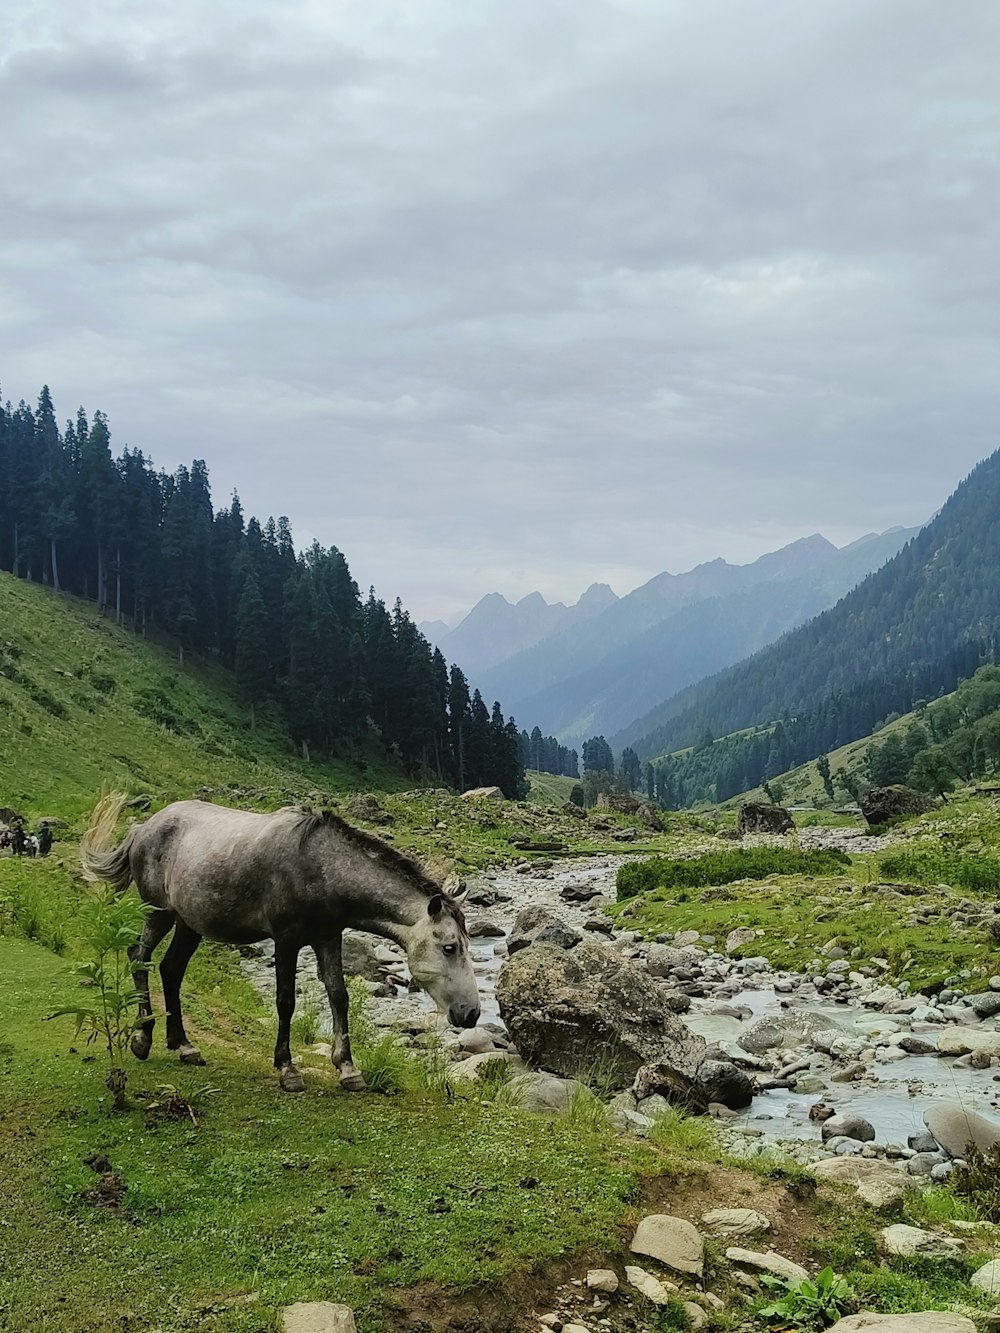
x: 294, y: 876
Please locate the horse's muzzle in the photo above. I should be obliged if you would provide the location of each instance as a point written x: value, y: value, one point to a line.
x: 461, y: 1016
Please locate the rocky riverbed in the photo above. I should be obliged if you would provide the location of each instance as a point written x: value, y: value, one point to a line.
x: 844, y: 1063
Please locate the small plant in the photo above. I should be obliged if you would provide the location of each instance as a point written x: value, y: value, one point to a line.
x: 307, y: 1021
x: 112, y: 924
x: 808, y: 1303
x: 979, y: 1181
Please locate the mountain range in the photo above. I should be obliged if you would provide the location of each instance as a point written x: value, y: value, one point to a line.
x: 595, y: 667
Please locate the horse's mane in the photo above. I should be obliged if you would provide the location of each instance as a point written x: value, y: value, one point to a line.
x: 310, y: 821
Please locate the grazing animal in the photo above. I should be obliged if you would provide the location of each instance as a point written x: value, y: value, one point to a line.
x: 295, y: 877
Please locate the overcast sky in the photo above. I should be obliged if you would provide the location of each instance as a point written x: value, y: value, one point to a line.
x: 515, y: 294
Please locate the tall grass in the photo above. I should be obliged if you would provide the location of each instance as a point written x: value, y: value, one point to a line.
x: 977, y: 874
x: 664, y: 872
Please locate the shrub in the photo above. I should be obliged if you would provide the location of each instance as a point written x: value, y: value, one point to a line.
x: 979, y: 1181
x: 663, y: 872
x: 977, y: 874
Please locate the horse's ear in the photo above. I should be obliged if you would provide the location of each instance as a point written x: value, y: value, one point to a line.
x: 435, y: 905
x: 458, y: 899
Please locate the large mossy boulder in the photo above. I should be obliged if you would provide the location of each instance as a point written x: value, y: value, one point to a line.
x: 883, y: 805
x: 755, y: 817
x: 573, y: 1012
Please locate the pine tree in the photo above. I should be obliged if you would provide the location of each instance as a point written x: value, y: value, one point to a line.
x: 252, y: 665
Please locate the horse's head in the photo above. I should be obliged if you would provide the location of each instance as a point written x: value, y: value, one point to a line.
x: 437, y: 951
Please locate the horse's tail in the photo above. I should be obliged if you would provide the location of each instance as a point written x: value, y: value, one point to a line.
x: 99, y: 859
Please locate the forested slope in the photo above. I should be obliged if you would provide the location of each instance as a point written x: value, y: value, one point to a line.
x: 911, y: 630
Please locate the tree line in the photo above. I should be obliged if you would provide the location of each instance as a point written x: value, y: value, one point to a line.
x: 546, y: 755
x: 151, y: 550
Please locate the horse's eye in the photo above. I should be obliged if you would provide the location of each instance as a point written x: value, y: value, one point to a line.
x: 449, y: 949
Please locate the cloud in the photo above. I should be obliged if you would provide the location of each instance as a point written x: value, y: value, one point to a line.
x: 514, y: 296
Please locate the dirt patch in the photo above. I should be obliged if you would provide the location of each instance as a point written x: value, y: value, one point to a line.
x: 108, y: 1191
x: 514, y: 1306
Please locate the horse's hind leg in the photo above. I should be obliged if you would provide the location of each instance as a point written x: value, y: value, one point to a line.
x: 156, y: 926
x: 286, y: 959
x: 331, y: 969
x: 172, y: 969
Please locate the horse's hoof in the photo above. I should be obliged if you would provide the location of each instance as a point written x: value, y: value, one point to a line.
x: 140, y: 1045
x: 190, y: 1055
x: 353, y: 1081
x: 291, y: 1080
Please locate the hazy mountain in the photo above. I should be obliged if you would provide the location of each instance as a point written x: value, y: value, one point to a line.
x: 700, y: 638
x: 572, y: 647
x: 912, y: 629
x: 496, y: 629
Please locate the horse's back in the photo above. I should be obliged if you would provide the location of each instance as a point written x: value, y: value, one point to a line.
x: 214, y: 866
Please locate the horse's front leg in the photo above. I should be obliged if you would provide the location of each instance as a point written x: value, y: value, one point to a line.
x: 331, y: 970
x: 286, y: 960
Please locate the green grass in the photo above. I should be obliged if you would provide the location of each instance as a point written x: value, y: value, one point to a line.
x: 549, y: 789
x: 271, y: 1198
x: 979, y: 873
x: 86, y: 704
x: 662, y: 873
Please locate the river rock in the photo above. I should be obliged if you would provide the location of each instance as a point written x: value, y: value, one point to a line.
x: 884, y: 1191
x: 848, y: 1127
x: 317, y: 1317
x: 602, y: 1279
x: 674, y: 1242
x: 954, y: 1126
x: 721, y: 1081
x: 547, y: 1092
x: 482, y: 928
x: 755, y: 817
x: 769, y: 1262
x: 791, y: 1029
x: 905, y: 1242
x: 737, y: 1222
x: 472, y: 1066
x: 987, y: 1004
x: 919, y: 1321
x: 651, y: 1287
x: 567, y: 1011
x: 740, y: 938
x: 960, y: 1041
x: 987, y: 1278
x: 359, y: 957
x: 534, y: 921
x: 881, y: 805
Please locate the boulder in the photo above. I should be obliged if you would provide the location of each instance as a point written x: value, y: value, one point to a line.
x: 962, y: 1041
x: 651, y: 1287
x: 954, y: 1126
x: 883, y: 1191
x: 672, y: 1241
x: 740, y: 938
x: 987, y: 1278
x: 547, y: 1092
x: 791, y: 1029
x: 848, y: 1127
x: 535, y: 921
x: 768, y: 1262
x: 624, y: 802
x: 367, y: 808
x: 738, y: 1222
x: 567, y: 1011
x: 723, y: 1082
x: 602, y: 1279
x: 483, y: 793
x: 905, y: 1242
x: 919, y: 1321
x: 317, y: 1317
x: 882, y: 805
x: 358, y: 953
x: 757, y: 818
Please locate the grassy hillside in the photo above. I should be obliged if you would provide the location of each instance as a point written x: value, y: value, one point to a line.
x: 84, y: 704
x: 548, y: 789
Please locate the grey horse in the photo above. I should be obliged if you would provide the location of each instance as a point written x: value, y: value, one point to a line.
x: 295, y: 877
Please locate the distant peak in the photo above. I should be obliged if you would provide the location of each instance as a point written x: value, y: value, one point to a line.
x: 533, y: 599
x: 598, y: 594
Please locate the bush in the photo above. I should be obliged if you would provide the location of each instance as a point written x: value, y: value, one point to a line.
x: 979, y: 1181
x: 663, y: 872
x: 977, y: 874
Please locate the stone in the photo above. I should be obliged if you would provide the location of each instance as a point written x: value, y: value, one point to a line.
x: 567, y: 1011
x: 547, y: 1092
x: 987, y: 1278
x: 851, y: 1169
x: 755, y: 817
x: 317, y: 1317
x: 919, y: 1321
x: 359, y: 956
x: 674, y: 1242
x: 697, y: 1318
x: 602, y: 1279
x: 954, y: 1126
x: 987, y: 1004
x: 736, y: 1222
x: 483, y: 794
x: 791, y: 1029
x: 722, y: 1082
x: 848, y: 1127
x: 913, y: 1045
x: 923, y: 1163
x: 473, y: 1065
x: 883, y: 805
x: 367, y: 807
x: 769, y: 1262
x: 532, y: 921
x: 475, y: 1041
x: 481, y: 928
x: 962, y: 1041
x: 905, y: 1242
x: 884, y: 1192
x: 651, y: 1287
